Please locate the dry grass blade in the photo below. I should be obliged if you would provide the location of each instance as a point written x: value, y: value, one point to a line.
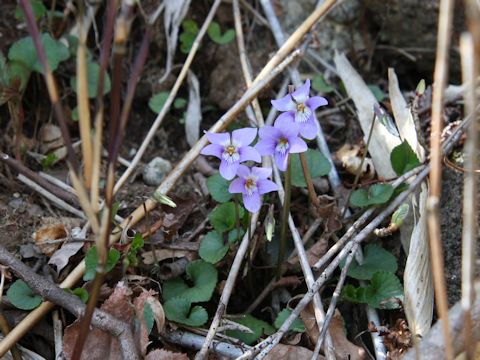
x: 433, y: 203
x: 470, y: 203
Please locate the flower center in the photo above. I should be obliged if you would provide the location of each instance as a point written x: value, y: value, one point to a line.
x: 301, y: 107
x: 230, y: 154
x: 251, y: 185
x: 282, y: 145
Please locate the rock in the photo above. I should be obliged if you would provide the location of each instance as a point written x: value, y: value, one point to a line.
x: 155, y: 171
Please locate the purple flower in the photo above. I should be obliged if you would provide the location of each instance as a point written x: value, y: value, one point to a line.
x: 299, y: 107
x: 280, y: 140
x: 252, y: 183
x: 232, y: 150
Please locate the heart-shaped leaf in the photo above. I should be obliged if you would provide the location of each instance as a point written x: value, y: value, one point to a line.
x: 178, y: 309
x: 223, y: 216
x: 212, y: 248
x: 218, y: 188
x: 22, y: 297
x: 375, y: 259
x: 319, y: 84
x: 403, y: 158
x: 215, y: 34
x: 318, y: 165
x: 259, y: 328
x: 297, y: 325
x: 204, y: 278
x: 93, y: 73
x: 375, y: 195
x: 91, y: 262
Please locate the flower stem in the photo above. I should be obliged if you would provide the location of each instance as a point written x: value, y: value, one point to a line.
x: 308, y: 178
x: 249, y: 259
x: 285, y: 213
x: 237, y: 217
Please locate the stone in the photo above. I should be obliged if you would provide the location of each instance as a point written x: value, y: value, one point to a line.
x: 155, y: 171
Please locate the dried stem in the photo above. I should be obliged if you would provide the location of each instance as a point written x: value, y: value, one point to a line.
x: 433, y: 201
x: 308, y: 179
x: 470, y: 203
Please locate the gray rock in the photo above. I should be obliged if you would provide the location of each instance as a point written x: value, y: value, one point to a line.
x: 155, y: 171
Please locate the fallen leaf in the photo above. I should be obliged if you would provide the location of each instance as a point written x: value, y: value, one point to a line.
x: 162, y: 354
x: 162, y: 254
x: 101, y: 345
x: 49, y: 232
x: 351, y: 159
x: 344, y: 349
x: 61, y: 257
x: 193, y: 114
x: 314, y: 253
x: 289, y: 352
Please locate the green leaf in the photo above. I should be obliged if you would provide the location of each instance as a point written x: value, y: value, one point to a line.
x: 212, y: 248
x: 190, y: 26
x: 22, y: 297
x: 403, y: 158
x: 383, y: 292
x: 204, y: 278
x: 148, y: 317
x: 75, y: 115
x: 20, y: 73
x: 180, y: 103
x: 319, y: 84
x: 93, y: 73
x: 24, y: 51
x: 377, y: 92
x: 178, y: 309
x: 215, y: 34
x: 223, y: 216
x: 218, y: 188
x: 232, y: 236
x: 81, y: 293
x: 317, y: 164
x: 420, y: 87
x: 37, y: 7
x: 187, y: 37
x: 375, y: 259
x: 400, y: 214
x: 259, y: 328
x: 91, y: 262
x: 297, y: 325
x: 49, y: 160
x: 377, y: 194
x: 157, y: 101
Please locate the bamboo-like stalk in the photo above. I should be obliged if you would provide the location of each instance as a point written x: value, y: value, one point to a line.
x: 470, y: 203
x: 433, y: 202
x: 82, y: 99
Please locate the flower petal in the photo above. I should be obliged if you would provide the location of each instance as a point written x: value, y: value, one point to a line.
x: 284, y: 104
x: 297, y: 145
x: 244, y: 137
x: 228, y: 170
x: 237, y: 186
x: 288, y: 127
x: 266, y: 147
x: 218, y: 138
x: 309, y: 129
x: 252, y: 202
x: 302, y: 93
x: 315, y: 102
x: 261, y: 172
x: 281, y: 160
x: 248, y: 153
x: 213, y: 150
x: 265, y: 186
x: 269, y: 132
x: 243, y: 171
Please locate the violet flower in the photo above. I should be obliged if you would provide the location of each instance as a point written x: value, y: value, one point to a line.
x: 232, y: 150
x: 252, y: 183
x: 280, y: 140
x: 299, y: 107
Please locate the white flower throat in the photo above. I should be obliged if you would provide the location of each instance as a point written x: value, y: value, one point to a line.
x: 251, y: 184
x: 230, y: 153
x: 302, y: 111
x: 282, y: 146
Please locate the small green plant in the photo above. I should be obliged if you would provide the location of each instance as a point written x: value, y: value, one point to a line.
x: 131, y: 257
x: 158, y: 100
x: 218, y: 188
x: 22, y: 297
x: 258, y: 327
x: 223, y: 218
x: 39, y: 10
x: 93, y: 73
x: 179, y: 296
x: 81, y: 293
x: 375, y: 195
x: 383, y: 289
x: 320, y: 84
x: 48, y: 161
x: 190, y: 32
x: 91, y: 261
x: 403, y: 158
x: 297, y: 325
x: 215, y: 34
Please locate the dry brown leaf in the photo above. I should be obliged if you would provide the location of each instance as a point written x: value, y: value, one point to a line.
x: 314, y: 253
x: 162, y: 254
x: 147, y: 296
x: 343, y: 348
x: 351, y: 159
x: 101, y: 345
x: 162, y: 354
x: 53, y: 229
x: 289, y: 352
